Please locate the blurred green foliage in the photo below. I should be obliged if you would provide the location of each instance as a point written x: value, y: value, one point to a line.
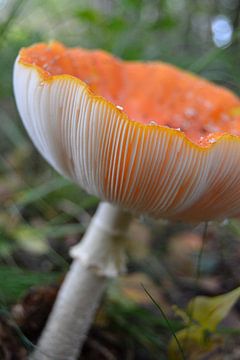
x: 19, y: 281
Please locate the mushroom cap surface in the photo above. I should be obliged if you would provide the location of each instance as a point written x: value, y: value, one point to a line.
x: 146, y: 136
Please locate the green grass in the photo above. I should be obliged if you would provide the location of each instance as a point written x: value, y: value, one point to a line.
x: 15, y: 282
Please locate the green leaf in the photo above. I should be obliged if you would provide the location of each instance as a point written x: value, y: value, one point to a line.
x: 165, y: 23
x: 194, y: 342
x: 31, y: 239
x: 116, y: 24
x: 34, y: 239
x: 210, y: 311
x: 204, y: 314
x: 89, y: 15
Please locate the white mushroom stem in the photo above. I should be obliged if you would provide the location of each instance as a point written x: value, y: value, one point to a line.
x: 99, y: 256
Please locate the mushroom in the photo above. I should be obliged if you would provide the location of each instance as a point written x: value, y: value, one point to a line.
x: 146, y: 138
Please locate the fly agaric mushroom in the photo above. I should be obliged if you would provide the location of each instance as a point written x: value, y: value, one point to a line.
x: 145, y: 138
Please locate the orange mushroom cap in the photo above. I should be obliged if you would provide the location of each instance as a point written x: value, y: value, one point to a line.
x: 147, y: 136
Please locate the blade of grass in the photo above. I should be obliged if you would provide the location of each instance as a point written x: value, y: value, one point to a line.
x: 11, y: 130
x: 211, y: 56
x: 200, y: 254
x: 197, y: 278
x: 19, y: 281
x: 167, y: 322
x: 25, y: 341
x: 13, y: 13
x: 205, y: 60
x: 37, y: 193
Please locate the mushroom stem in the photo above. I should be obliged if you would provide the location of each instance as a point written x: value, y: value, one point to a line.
x: 99, y: 256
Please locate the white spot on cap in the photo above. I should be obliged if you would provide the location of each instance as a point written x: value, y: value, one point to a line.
x: 211, y: 128
x: 190, y: 112
x: 225, y: 117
